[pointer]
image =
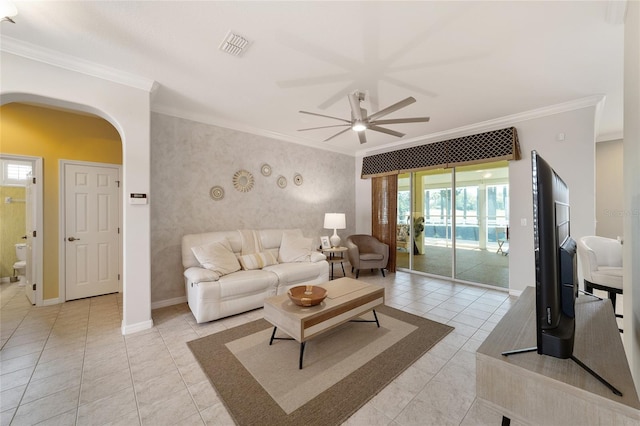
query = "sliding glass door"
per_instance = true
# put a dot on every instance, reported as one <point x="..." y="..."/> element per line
<point x="433" y="216"/>
<point x="454" y="223"/>
<point x="482" y="220"/>
<point x="404" y="240"/>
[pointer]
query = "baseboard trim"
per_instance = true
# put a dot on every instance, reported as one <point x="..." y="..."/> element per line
<point x="169" y="302"/>
<point x="515" y="293"/>
<point x="134" y="328"/>
<point x="49" y="302"/>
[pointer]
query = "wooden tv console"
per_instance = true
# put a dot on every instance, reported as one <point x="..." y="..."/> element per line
<point x="539" y="389"/>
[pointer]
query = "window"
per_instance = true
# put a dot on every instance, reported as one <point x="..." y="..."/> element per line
<point x="404" y="206"/>
<point x="15" y="173"/>
<point x="498" y="204"/>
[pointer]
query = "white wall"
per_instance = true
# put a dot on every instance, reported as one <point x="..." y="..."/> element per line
<point x="631" y="321"/>
<point x="574" y="160"/>
<point x="609" y="189"/>
<point x="125" y="107"/>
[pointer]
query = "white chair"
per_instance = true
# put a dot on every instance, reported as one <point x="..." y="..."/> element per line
<point x="601" y="260"/>
<point x="402" y="237"/>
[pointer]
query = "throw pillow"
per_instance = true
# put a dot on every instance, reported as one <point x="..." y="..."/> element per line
<point x="217" y="257"/>
<point x="257" y="260"/>
<point x="294" y="248"/>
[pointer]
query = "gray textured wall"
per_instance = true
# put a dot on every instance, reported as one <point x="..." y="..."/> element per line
<point x="188" y="158"/>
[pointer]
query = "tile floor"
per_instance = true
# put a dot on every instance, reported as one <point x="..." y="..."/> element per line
<point x="69" y="364"/>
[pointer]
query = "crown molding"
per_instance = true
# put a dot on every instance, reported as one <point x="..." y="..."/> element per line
<point x="72" y="63"/>
<point x="612" y="136"/>
<point x="616" y="11"/>
<point x="239" y="127"/>
<point x="484" y="126"/>
<point x="494" y="124"/>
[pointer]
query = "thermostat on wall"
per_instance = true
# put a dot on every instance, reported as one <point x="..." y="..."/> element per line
<point x="137" y="198"/>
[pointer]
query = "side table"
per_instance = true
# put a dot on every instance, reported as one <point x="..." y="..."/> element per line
<point x="336" y="255"/>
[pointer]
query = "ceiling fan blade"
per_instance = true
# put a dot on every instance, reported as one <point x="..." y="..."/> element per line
<point x="337" y="134"/>
<point x="362" y="137"/>
<point x="387" y="131"/>
<point x="323" y="127"/>
<point x="402" y="120"/>
<point x="355" y="106"/>
<point x="388" y="110"/>
<point x="325" y="116"/>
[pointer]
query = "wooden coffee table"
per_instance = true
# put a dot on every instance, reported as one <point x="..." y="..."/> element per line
<point x="346" y="299"/>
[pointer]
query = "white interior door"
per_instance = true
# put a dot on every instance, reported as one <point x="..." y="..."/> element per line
<point x="92" y="228"/>
<point x="31" y="270"/>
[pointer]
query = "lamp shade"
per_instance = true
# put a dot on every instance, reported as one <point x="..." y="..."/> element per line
<point x="335" y="221"/>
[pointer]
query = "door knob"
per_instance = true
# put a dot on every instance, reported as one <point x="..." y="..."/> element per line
<point x="73" y="239"/>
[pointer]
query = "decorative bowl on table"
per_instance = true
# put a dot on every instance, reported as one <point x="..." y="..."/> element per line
<point x="307" y="295"/>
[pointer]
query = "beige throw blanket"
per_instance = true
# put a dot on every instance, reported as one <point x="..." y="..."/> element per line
<point x="250" y="241"/>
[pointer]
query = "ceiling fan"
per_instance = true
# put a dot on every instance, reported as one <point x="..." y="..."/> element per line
<point x="360" y="121"/>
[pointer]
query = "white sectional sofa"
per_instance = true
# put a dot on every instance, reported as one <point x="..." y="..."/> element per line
<point x="267" y="262"/>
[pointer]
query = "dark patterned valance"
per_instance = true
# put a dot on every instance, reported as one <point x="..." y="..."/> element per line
<point x="481" y="148"/>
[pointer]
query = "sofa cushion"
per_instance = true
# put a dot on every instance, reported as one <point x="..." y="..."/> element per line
<point x="609" y="276"/>
<point x="243" y="283"/>
<point x="294" y="248"/>
<point x="371" y="256"/>
<point x="202" y="239"/>
<point x="257" y="260"/>
<point x="217" y="257"/>
<point x="300" y="272"/>
<point x="196" y="274"/>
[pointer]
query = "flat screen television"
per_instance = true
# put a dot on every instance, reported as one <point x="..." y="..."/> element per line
<point x="555" y="258"/>
<point x="556" y="273"/>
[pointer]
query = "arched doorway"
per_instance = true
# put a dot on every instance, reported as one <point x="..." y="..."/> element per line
<point x="126" y="105"/>
<point x="58" y="136"/>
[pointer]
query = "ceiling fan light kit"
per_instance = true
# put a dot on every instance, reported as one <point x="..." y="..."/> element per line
<point x="359" y="126"/>
<point x="361" y="121"/>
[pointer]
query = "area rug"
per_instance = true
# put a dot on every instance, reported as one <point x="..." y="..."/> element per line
<point x="343" y="369"/>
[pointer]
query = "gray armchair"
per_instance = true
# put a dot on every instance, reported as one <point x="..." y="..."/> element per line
<point x="366" y="252"/>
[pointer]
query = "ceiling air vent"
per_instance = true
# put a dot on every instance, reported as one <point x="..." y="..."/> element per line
<point x="234" y="44"/>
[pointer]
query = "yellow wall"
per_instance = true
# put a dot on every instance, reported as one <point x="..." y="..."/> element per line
<point x="55" y="135"/>
<point x="12" y="226"/>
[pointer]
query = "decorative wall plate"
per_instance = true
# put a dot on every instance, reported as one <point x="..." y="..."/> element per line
<point x="282" y="181"/>
<point x="297" y="179"/>
<point x="217" y="193"/>
<point x="265" y="170"/>
<point x="243" y="181"/>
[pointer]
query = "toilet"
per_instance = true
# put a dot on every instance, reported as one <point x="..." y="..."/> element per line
<point x="21" y="264"/>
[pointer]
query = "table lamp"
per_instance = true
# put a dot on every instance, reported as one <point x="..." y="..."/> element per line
<point x="335" y="221"/>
